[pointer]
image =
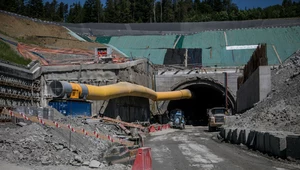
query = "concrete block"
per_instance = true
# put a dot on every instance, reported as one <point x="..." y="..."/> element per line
<point x="228" y="133"/>
<point x="251" y="139"/>
<point x="277" y="144"/>
<point x="244" y="136"/>
<point x="236" y="136"/>
<point x="260" y="141"/>
<point x="267" y="143"/>
<point x="222" y="132"/>
<point x="293" y="146"/>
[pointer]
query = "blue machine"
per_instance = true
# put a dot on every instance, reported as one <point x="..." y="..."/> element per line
<point x="72" y="108"/>
<point x="177" y="119"/>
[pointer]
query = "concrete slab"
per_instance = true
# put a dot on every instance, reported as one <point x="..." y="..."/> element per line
<point x="236" y="136"/>
<point x="267" y="142"/>
<point x="222" y="132"/>
<point x="293" y="146"/>
<point x="251" y="139"/>
<point x="244" y="136"/>
<point x="260" y="141"/>
<point x="228" y="133"/>
<point x="277" y="144"/>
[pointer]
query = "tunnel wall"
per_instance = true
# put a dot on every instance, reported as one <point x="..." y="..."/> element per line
<point x="136" y="72"/>
<point x="170" y="81"/>
<point x="255" y="89"/>
<point x="130" y="109"/>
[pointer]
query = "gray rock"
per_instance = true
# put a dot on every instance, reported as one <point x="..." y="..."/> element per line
<point x="86" y="163"/>
<point x="21" y="156"/>
<point x="58" y="146"/>
<point x="94" y="164"/>
<point x="78" y="158"/>
<point x="16" y="152"/>
<point x="45" y="160"/>
<point x="75" y="163"/>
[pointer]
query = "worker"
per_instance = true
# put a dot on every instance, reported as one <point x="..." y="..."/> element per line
<point x="101" y="114"/>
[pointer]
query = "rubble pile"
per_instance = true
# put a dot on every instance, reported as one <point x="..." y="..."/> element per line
<point x="280" y="110"/>
<point x="36" y="144"/>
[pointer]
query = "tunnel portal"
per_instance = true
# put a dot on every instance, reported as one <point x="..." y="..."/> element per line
<point x="204" y="97"/>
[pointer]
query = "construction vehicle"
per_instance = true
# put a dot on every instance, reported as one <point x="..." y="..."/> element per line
<point x="216" y="118"/>
<point x="177" y="119"/>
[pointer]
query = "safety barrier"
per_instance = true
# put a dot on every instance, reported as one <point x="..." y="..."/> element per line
<point x="154" y="128"/>
<point x="67" y="127"/>
<point x="143" y="160"/>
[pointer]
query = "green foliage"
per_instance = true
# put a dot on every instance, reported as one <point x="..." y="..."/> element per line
<point x="127" y="11"/>
<point x="8" y="54"/>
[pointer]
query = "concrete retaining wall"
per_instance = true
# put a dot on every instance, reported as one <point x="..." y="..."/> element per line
<point x="278" y="144"/>
<point x="255" y="89"/>
<point x="137" y="72"/>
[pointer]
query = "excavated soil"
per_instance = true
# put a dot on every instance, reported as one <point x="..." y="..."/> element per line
<point x="46" y="35"/>
<point x="280" y="111"/>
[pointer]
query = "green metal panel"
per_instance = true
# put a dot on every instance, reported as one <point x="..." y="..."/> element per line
<point x="143" y="42"/>
<point x="103" y="40"/>
<point x="156" y="56"/>
<point x="213" y="43"/>
<point x="285" y="40"/>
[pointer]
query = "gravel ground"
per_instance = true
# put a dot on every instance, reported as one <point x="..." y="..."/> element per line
<point x="280" y="111"/>
<point x="39" y="145"/>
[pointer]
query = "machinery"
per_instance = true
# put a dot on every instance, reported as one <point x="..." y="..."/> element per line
<point x="177" y="119"/>
<point x="216" y="117"/>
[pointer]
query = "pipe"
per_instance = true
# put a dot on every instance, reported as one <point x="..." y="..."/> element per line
<point x="121" y="89"/>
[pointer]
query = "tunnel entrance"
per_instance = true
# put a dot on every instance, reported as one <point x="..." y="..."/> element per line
<point x="204" y="97"/>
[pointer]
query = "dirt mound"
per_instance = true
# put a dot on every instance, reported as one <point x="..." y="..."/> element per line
<point x="280" y="111"/>
<point x="30" y="32"/>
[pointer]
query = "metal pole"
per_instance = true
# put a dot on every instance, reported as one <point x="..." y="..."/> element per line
<point x="161" y="11"/>
<point x="186" y="57"/>
<point x="70" y="139"/>
<point x="226" y="90"/>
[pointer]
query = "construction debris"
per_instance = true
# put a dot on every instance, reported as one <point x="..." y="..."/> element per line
<point x="40" y="144"/>
<point x="280" y="110"/>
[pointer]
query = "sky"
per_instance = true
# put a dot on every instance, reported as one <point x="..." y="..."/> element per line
<point x="242" y="4"/>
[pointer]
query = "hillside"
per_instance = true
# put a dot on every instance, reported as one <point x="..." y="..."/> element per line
<point x="47" y="35"/>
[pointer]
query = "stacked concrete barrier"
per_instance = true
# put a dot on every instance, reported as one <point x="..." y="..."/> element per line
<point x="274" y="143"/>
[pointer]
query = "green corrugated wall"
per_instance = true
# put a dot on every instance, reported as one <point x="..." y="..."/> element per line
<point x="213" y="44"/>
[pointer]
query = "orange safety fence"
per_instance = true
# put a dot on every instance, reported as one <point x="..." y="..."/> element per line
<point x="57" y="51"/>
<point x="67" y="127"/>
<point x="122" y="122"/>
<point x="27" y="54"/>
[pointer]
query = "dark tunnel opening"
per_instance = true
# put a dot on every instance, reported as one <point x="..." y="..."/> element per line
<point x="204" y="97"/>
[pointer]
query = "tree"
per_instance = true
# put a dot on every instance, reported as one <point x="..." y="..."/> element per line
<point x="60" y="11"/>
<point x="47" y="11"/>
<point x="75" y="13"/>
<point x="110" y="11"/>
<point x="126" y="14"/>
<point x="35" y="8"/>
<point x="168" y="13"/>
<point x="53" y="10"/>
<point x="92" y="11"/>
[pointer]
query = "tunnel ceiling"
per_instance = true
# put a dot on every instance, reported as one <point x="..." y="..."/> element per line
<point x="204" y="97"/>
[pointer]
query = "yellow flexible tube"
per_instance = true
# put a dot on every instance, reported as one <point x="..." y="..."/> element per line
<point x="118" y="90"/>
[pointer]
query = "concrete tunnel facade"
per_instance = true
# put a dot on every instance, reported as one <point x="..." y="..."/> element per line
<point x="206" y="94"/>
